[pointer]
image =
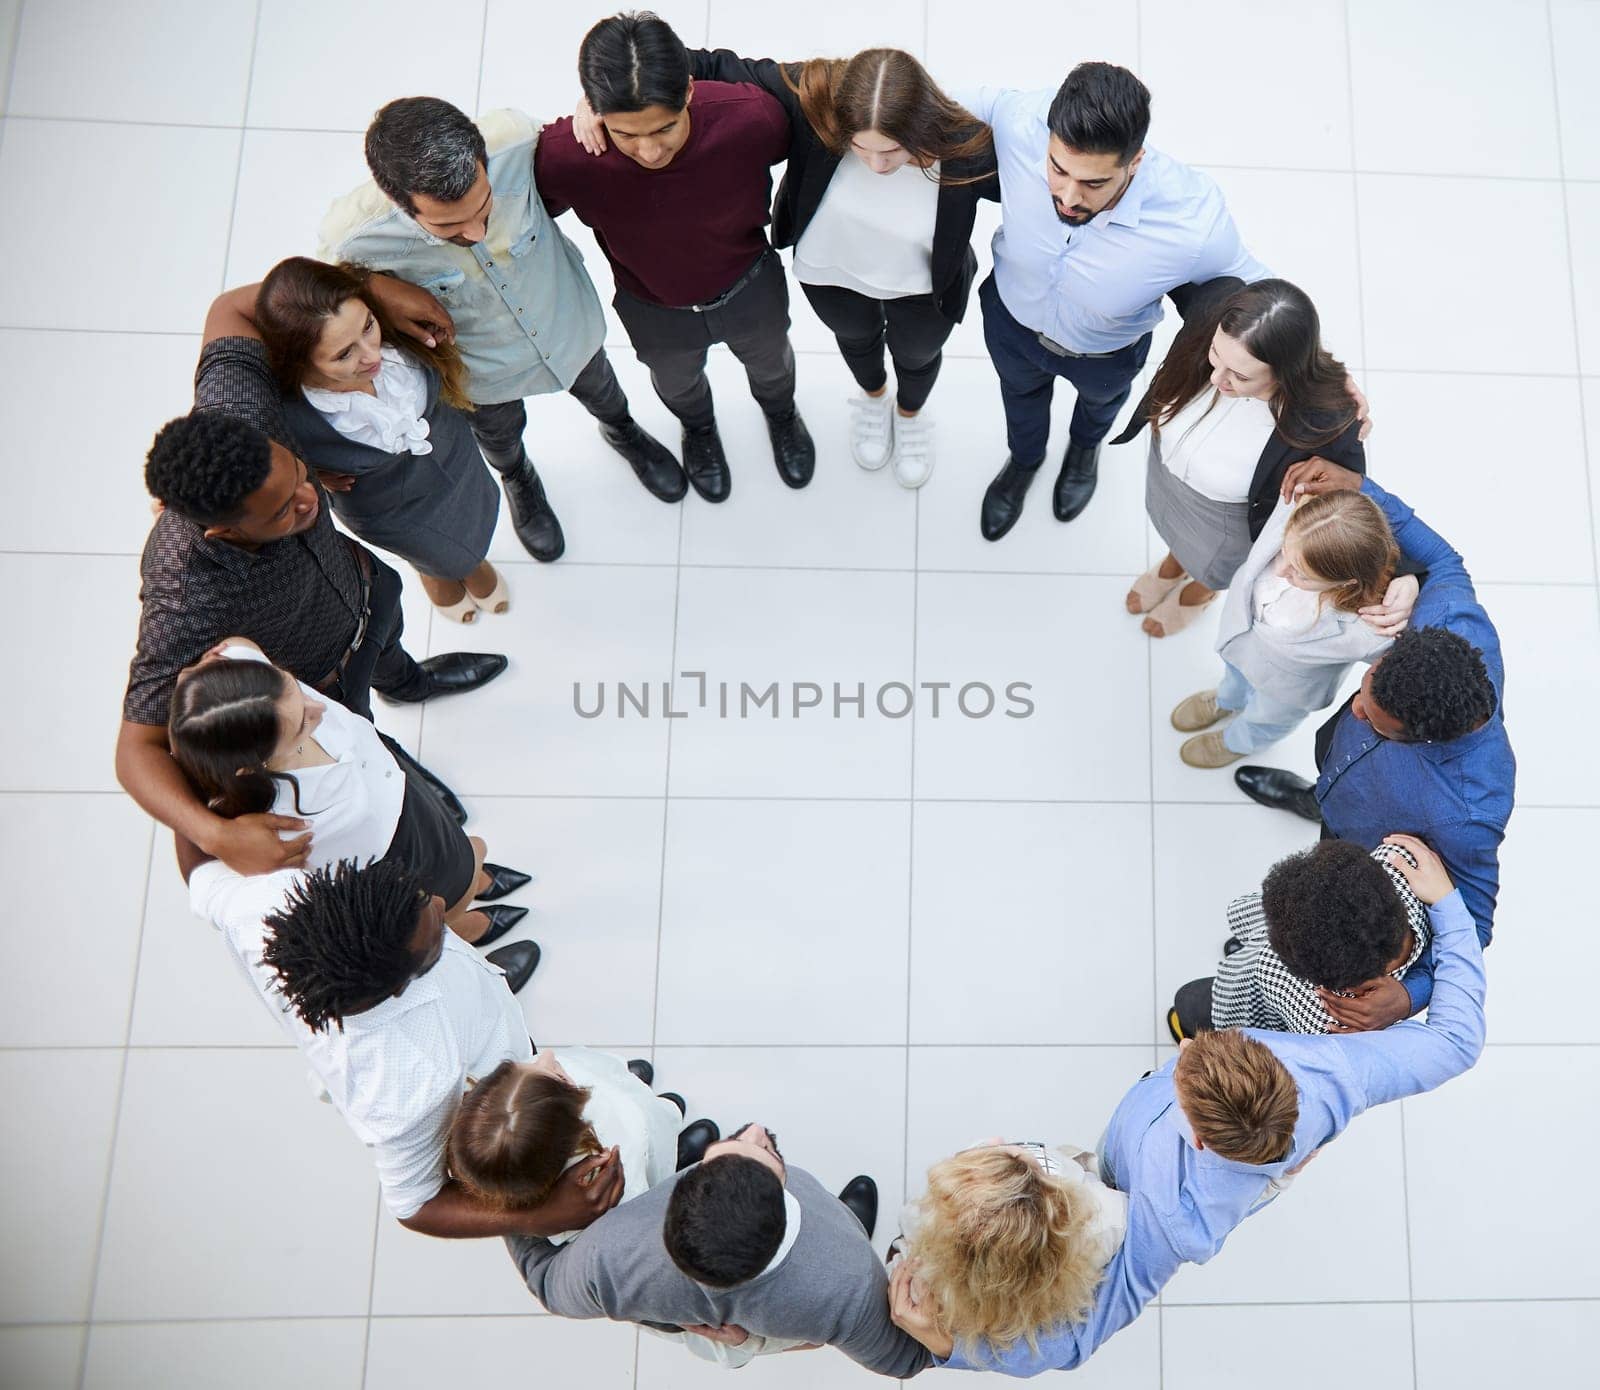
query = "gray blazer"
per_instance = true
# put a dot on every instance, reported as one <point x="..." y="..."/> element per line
<point x="1300" y="669"/>
<point x="831" y="1288"/>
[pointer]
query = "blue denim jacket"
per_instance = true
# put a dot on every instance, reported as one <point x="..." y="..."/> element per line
<point x="526" y="313"/>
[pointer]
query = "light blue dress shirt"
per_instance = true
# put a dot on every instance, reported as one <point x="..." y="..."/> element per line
<point x="1184" y="1201"/>
<point x="1098" y="287"/>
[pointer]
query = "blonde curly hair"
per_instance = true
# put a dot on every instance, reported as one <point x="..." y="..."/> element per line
<point x="1001" y="1247"/>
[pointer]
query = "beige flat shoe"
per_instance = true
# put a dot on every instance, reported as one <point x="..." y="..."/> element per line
<point x="1150" y="588"/>
<point x="497" y="600"/>
<point x="1208" y="750"/>
<point x="1169" y="617"/>
<point x="1199" y="711"/>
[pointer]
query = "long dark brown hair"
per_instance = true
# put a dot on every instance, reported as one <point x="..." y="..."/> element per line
<point x="299" y="295"/>
<point x="1276" y="323"/>
<point x="223" y="727"/>
<point x="889" y="91"/>
<point x="514" y="1133"/>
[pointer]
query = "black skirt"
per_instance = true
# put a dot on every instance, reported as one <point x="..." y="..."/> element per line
<point x="429" y="842"/>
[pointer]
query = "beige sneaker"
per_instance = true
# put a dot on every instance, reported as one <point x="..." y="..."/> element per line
<point x="1198" y="712"/>
<point x="1208" y="750"/>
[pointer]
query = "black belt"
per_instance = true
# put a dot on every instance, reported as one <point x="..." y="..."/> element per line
<point x="1051" y="345"/>
<point x="732" y="289"/>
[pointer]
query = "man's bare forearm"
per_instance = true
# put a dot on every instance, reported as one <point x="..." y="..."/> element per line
<point x="149" y="775"/>
<point x="452" y="1214"/>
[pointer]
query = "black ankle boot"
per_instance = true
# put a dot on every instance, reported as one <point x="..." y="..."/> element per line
<point x="531" y="514"/>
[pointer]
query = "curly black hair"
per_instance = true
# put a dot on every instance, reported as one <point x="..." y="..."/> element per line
<point x="1434" y="683"/>
<point x="1333" y="915"/>
<point x="342" y="942"/>
<point x="204" y="465"/>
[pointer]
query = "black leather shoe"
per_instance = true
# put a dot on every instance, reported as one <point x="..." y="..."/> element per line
<point x="861" y="1196"/>
<point x="1283" y="791"/>
<point x="1002" y="503"/>
<point x="502" y="917"/>
<point x="694" y="1140"/>
<point x="650" y="459"/>
<point x="531" y="514"/>
<point x="1232" y="946"/>
<point x="1080" y="471"/>
<point x="643" y="1070"/>
<point x="792" y="449"/>
<point x="705" y="464"/>
<point x="676" y="1099"/>
<point x="452" y="673"/>
<point x="519" y="960"/>
<point x="502" y="882"/>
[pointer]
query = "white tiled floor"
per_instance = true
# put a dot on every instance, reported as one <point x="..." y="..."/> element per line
<point x="886" y="938"/>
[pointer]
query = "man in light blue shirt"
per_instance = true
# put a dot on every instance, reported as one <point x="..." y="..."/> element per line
<point x="1276" y="1098"/>
<point x="1095" y="230"/>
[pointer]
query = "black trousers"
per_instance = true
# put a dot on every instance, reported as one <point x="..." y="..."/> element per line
<point x="912" y="328"/>
<point x="498" y="428"/>
<point x="754" y="324"/>
<point x="380" y="662"/>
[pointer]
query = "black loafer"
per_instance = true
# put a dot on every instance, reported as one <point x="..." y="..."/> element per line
<point x="705" y="464"/>
<point x="676" y="1099"/>
<point x="694" y="1140"/>
<point x="650" y="459"/>
<point x="1080" y="471"/>
<point x="532" y="516"/>
<point x="1002" y="503"/>
<point x="502" y="917"/>
<point x="1283" y="791"/>
<point x="519" y="960"/>
<point x="861" y="1196"/>
<point x="643" y="1070"/>
<point x="502" y="882"/>
<point x="792" y="448"/>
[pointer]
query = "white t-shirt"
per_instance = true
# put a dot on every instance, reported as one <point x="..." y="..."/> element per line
<point x="1215" y="448"/>
<point x="872" y="233"/>
<point x="392" y="419"/>
<point x="1277" y="604"/>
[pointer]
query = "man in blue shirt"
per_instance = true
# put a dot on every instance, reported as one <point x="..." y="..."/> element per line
<point x="1422" y="744"/>
<point x="1095" y="230"/>
<point x="1217" y="1132"/>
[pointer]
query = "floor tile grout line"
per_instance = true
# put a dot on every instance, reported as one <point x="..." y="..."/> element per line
<point x="10" y="74"/>
<point x="483" y="49"/>
<point x="911" y="836"/>
<point x="238" y="164"/>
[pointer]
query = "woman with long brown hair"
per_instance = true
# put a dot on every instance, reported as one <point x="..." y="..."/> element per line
<point x="380" y="419"/>
<point x="884" y="175"/>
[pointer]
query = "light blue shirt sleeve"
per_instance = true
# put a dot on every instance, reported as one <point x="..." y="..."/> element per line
<point x="981" y="101"/>
<point x="1224" y="253"/>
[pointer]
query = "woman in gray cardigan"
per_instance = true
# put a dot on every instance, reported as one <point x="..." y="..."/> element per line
<point x="383" y="426"/>
<point x="1292" y="624"/>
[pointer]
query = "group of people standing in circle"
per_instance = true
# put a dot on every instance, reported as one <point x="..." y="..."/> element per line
<point x="385" y="384"/>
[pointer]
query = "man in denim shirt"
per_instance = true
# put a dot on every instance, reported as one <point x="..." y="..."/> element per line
<point x="453" y="208"/>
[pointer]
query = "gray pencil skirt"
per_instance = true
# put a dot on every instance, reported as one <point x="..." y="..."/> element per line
<point x="1210" y="539"/>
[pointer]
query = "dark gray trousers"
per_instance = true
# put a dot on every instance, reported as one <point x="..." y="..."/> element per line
<point x="498" y="428"/>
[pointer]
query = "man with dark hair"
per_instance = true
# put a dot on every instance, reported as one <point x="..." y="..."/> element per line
<point x="1095" y="229"/>
<point x="1422" y="744"/>
<point x="698" y="269"/>
<point x="453" y="207"/>
<point x="245" y="545"/>
<point x="1325" y="921"/>
<point x="741" y="1255"/>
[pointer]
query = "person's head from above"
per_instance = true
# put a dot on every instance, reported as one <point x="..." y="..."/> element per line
<point x="430" y="160"/>
<point x="230" y="479"/>
<point x="1334" y="916"/>
<point x="1239" y="1099"/>
<point x="725" y="1219"/>
<point x="517" y="1131"/>
<point x="634" y="71"/>
<point x="233" y="727"/>
<point x="1430" y="687"/>
<point x="349" y="937"/>
<point x="1097" y="122"/>
<point x="1002" y="1245"/>
<point x="882" y="108"/>
<point x="1339" y="545"/>
<point x="323" y="329"/>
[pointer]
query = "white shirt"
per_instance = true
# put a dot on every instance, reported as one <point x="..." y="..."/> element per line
<point x="1214" y="443"/>
<point x="1276" y="603"/>
<point x="872" y="233"/>
<point x="392" y="419"/>
<point x="397" y="1071"/>
<point x="353" y="804"/>
<point x="1098" y="287"/>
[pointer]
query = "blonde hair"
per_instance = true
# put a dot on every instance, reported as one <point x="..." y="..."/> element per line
<point x="1001" y="1246"/>
<point x="1238" y="1097"/>
<point x="1345" y="541"/>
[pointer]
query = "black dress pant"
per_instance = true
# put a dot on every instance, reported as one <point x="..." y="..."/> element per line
<point x="380" y="662"/>
<point x="913" y="329"/>
<point x="498" y="428"/>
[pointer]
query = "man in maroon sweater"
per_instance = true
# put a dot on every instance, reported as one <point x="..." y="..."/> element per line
<point x="678" y="202"/>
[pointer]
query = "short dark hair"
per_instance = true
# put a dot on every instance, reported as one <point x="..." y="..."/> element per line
<point x="1333" y="915"/>
<point x="424" y="145"/>
<point x="725" y="1220"/>
<point x="1435" y="683"/>
<point x="342" y="941"/>
<point x="205" y="465"/>
<point x="1101" y="109"/>
<point x="632" y="61"/>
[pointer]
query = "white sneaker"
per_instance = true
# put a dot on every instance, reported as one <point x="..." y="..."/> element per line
<point x="913" y="449"/>
<point x="872" y="429"/>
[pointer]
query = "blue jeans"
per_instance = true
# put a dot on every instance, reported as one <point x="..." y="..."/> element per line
<point x="1028" y="372"/>
<point x="1262" y="720"/>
